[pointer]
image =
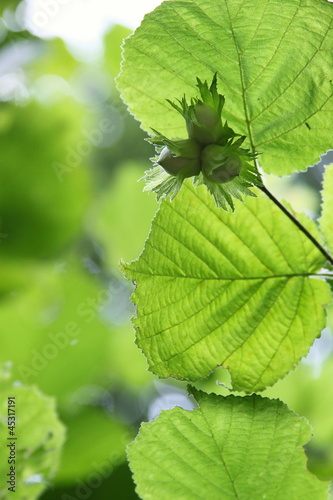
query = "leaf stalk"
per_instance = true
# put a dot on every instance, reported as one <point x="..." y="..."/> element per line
<point x="297" y="223"/>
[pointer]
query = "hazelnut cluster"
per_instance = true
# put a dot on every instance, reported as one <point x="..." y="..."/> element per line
<point x="212" y="153"/>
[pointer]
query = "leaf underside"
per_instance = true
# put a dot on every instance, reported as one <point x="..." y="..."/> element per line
<point x="229" y="448"/>
<point x="274" y="62"/>
<point x="214" y="289"/>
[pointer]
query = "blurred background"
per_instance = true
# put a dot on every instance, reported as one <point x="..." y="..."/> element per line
<point x="70" y="209"/>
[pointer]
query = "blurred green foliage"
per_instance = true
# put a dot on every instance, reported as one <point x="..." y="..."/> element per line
<point x="47" y="212"/>
<point x="70" y="209"/>
<point x="5" y="4"/>
<point x="112" y="224"/>
<point x="68" y="201"/>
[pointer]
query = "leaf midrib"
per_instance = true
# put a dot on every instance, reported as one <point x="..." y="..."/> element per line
<point x="221" y="278"/>
<point x="247" y="118"/>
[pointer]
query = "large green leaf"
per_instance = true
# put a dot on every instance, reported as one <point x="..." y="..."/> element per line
<point x="36" y="440"/>
<point x="274" y="62"/>
<point x="230" y="447"/>
<point x="309" y="392"/>
<point x="326" y="220"/>
<point x="227" y="289"/>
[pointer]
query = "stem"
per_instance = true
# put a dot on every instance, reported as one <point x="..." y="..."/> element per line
<point x="297" y="223"/>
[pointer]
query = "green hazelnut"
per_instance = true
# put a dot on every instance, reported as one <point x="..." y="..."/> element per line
<point x="186" y="148"/>
<point x="219" y="165"/>
<point x="204" y="123"/>
<point x="173" y="164"/>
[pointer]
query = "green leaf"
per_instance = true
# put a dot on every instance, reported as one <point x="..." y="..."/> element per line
<point x="227" y="289"/>
<point x="230" y="447"/>
<point x="39" y="439"/>
<point x="274" y="63"/>
<point x="326" y="220"/>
